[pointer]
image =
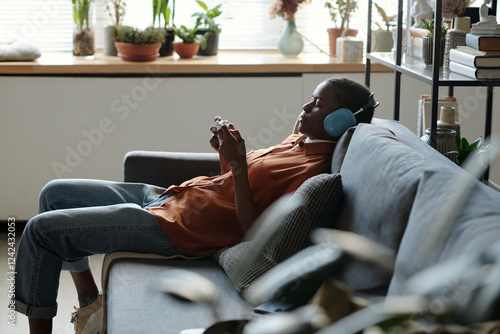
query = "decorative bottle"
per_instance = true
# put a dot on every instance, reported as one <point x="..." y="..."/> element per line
<point x="455" y="37"/>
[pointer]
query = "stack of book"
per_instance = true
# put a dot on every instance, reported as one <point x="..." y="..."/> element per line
<point x="479" y="58"/>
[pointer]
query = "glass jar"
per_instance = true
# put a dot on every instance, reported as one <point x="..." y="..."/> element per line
<point x="83" y="28"/>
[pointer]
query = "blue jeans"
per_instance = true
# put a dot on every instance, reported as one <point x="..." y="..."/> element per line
<point x="79" y="218"/>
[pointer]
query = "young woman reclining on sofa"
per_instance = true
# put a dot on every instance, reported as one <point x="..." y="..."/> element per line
<point x="79" y="218"/>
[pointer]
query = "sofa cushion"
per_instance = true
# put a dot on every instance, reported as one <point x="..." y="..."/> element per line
<point x="135" y="303"/>
<point x="476" y="228"/>
<point x="319" y="197"/>
<point x="380" y="175"/>
<point x="341" y="149"/>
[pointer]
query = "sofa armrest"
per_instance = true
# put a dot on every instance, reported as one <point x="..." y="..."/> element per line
<point x="168" y="168"/>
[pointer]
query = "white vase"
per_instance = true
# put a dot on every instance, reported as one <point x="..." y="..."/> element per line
<point x="455" y="37"/>
<point x="290" y="43"/>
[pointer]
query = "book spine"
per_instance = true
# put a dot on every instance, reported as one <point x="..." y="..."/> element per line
<point x="472" y="41"/>
<point x="461" y="69"/>
<point x="483" y="42"/>
<point x="462" y="58"/>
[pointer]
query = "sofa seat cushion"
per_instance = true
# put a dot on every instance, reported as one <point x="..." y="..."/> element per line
<point x="319" y="197"/>
<point x="136" y="305"/>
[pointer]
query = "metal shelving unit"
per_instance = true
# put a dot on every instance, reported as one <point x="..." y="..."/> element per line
<point x="432" y="75"/>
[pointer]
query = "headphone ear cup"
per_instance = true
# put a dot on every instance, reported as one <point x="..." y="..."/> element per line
<point x="338" y="122"/>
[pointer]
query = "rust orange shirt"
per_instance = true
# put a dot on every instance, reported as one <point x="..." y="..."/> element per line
<point x="201" y="217"/>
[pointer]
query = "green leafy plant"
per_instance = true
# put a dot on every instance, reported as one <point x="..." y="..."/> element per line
<point x="342" y="8"/>
<point x="385" y="18"/>
<point x="127" y="34"/>
<point x="81" y="13"/>
<point x="162" y="10"/>
<point x="464" y="148"/>
<point x="190" y="36"/>
<point x="207" y="18"/>
<point x="116" y="11"/>
<point x="429" y="26"/>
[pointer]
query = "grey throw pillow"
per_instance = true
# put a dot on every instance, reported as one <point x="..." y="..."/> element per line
<point x="320" y="198"/>
<point x="18" y="50"/>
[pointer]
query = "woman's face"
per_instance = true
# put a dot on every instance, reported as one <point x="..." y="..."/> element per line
<point x="314" y="112"/>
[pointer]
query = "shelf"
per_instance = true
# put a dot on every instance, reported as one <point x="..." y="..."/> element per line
<point x="226" y="62"/>
<point x="417" y="69"/>
<point x="431" y="75"/>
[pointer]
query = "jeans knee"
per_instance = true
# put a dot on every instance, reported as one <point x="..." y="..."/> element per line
<point x="49" y="193"/>
<point x="34" y="228"/>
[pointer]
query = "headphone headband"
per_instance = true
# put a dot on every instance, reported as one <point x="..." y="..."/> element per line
<point x="371" y="103"/>
<point x="342" y="119"/>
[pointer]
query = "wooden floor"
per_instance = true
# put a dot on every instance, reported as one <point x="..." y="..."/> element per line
<point x="66" y="299"/>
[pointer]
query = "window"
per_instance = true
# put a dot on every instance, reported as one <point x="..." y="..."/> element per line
<point x="245" y="23"/>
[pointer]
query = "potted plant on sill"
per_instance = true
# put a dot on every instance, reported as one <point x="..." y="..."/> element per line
<point x="191" y="42"/>
<point x="138" y="45"/>
<point x="162" y="12"/>
<point x="344" y="9"/>
<point x="116" y="12"/>
<point x="83" y="32"/>
<point x="206" y="19"/>
<point x="428" y="42"/>
<point x="382" y="37"/>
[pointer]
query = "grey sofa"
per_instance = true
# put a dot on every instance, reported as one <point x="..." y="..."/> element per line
<point x="394" y="185"/>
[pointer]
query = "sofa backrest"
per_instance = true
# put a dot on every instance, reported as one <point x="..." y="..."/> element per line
<point x="381" y="166"/>
<point x="394" y="187"/>
<point x="475" y="229"/>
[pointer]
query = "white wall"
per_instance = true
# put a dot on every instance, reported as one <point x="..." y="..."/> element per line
<point x="82" y="127"/>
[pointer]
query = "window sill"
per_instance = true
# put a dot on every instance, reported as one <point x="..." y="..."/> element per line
<point x="226" y="62"/>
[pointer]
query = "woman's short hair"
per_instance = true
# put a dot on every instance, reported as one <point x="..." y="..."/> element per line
<point x="352" y="95"/>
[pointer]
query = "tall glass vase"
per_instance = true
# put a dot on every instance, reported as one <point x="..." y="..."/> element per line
<point x="83" y="28"/>
<point x="290" y="43"/>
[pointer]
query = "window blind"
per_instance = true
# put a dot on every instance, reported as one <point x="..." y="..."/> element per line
<point x="246" y="25"/>
<point x="48" y="24"/>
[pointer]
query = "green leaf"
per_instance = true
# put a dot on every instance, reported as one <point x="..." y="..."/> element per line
<point x="166" y="15"/>
<point x="202" y="4"/>
<point x="155" y="10"/>
<point x="388" y="324"/>
<point x="477" y="142"/>
<point x="464" y="144"/>
<point x="216" y="11"/>
<point x="457" y="142"/>
<point x="197" y="14"/>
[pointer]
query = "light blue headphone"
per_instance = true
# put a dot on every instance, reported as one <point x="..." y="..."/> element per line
<point x="342" y="119"/>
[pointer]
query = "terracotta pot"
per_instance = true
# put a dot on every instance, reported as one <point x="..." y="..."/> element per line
<point x="334" y="33"/>
<point x="186" y="50"/>
<point x="138" y="52"/>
